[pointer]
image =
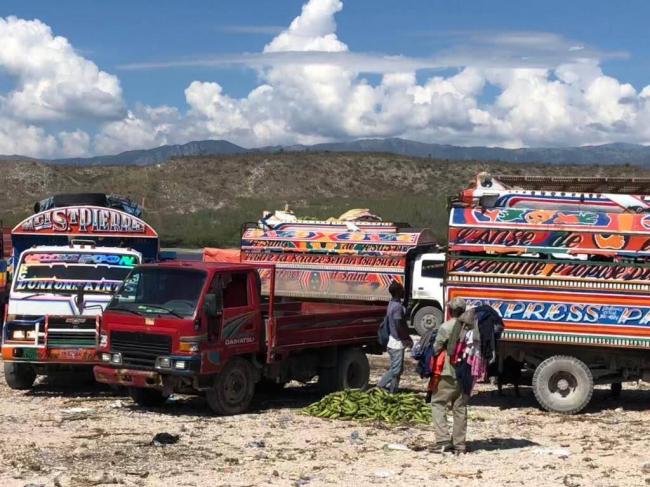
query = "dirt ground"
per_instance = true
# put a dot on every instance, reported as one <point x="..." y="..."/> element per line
<point x="57" y="435"/>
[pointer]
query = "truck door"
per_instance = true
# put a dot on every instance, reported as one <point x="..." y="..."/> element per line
<point x="428" y="278"/>
<point x="241" y="315"/>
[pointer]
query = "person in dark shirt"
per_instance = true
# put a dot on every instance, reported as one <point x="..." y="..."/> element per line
<point x="398" y="340"/>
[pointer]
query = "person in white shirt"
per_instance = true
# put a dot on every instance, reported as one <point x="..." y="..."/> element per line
<point x="398" y="340"/>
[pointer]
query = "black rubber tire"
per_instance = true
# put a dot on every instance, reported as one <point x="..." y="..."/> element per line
<point x="147" y="397"/>
<point x="616" y="388"/>
<point x="563" y="384"/>
<point x="233" y="389"/>
<point x="19" y="376"/>
<point x="427" y="318"/>
<point x="352" y="371"/>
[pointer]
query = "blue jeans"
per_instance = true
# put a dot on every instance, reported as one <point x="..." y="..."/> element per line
<point x="391" y="378"/>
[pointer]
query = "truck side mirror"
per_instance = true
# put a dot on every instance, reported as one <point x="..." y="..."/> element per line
<point x="212" y="305"/>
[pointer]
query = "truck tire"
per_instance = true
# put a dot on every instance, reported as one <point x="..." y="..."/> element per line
<point x="352" y="371"/>
<point x="426" y="318"/>
<point x="19" y="376"/>
<point x="233" y="388"/>
<point x="563" y="384"/>
<point x="147" y="397"/>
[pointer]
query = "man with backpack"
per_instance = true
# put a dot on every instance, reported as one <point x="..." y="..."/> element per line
<point x="449" y="390"/>
<point x="398" y="338"/>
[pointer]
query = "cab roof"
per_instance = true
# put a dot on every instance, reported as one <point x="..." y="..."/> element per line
<point x="207" y="266"/>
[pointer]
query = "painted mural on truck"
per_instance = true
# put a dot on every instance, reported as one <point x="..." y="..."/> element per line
<point x="546" y="316"/>
<point x="550" y="231"/>
<point x="342" y="285"/>
<point x="332" y="261"/>
<point x="520" y="198"/>
<point x="330" y="242"/>
<point x="569" y="274"/>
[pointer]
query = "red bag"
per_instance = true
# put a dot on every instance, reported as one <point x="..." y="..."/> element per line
<point x="437" y="364"/>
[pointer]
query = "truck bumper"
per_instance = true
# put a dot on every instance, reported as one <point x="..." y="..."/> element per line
<point x="128" y="377"/>
<point x="58" y="356"/>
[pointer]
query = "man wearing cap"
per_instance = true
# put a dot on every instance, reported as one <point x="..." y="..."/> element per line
<point x="449" y="390"/>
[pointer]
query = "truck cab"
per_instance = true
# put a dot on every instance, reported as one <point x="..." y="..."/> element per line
<point x="56" y="298"/>
<point x="425" y="291"/>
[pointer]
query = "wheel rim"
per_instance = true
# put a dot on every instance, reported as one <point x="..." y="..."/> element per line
<point x="428" y="321"/>
<point x="562" y="385"/>
<point x="235" y="387"/>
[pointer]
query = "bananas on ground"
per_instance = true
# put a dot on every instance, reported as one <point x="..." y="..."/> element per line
<point x="375" y="404"/>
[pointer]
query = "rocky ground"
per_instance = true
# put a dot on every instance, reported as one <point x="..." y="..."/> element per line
<point x="61" y="436"/>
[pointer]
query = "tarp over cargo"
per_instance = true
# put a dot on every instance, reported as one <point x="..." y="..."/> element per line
<point x="220" y="255"/>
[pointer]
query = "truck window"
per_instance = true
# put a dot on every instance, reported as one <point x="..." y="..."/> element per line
<point x="433" y="269"/>
<point x="235" y="294"/>
<point x="160" y="290"/>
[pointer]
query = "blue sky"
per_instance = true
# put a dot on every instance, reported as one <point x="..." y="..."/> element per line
<point x="123" y="38"/>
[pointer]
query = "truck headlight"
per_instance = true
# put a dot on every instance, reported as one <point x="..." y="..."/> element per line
<point x="106" y="357"/>
<point x="163" y="363"/>
<point x="31" y="334"/>
<point x="116" y="358"/>
<point x="103" y="340"/>
<point x="18" y="335"/>
<point x="180" y="365"/>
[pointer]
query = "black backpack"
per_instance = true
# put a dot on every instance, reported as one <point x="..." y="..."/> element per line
<point x="423" y="353"/>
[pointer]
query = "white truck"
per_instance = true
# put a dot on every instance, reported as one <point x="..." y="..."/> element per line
<point x="424" y="279"/>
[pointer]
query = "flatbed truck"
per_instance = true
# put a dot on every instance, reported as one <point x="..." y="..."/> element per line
<point x="205" y="328"/>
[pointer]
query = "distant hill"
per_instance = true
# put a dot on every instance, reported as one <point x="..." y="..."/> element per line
<point x="595" y="154"/>
<point x="145" y="157"/>
<point x="203" y="200"/>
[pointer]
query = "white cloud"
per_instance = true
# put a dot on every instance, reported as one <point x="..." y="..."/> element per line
<point x="313" y="88"/>
<point x="552" y="91"/>
<point x="53" y="82"/>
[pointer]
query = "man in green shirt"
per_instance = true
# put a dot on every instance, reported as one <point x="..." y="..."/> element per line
<point x="449" y="390"/>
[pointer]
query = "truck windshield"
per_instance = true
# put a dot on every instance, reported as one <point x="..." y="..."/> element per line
<point x="159" y="290"/>
<point x="68" y="272"/>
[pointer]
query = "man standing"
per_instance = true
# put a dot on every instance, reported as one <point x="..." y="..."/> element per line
<point x="398" y="340"/>
<point x="449" y="389"/>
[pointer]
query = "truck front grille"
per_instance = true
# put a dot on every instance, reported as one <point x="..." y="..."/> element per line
<point x="78" y="332"/>
<point x="140" y="349"/>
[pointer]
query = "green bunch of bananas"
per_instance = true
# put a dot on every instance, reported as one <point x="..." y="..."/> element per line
<point x="375" y="404"/>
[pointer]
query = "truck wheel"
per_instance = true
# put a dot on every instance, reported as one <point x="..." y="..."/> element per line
<point x="427" y="318"/>
<point x="19" y="376"/>
<point x="352" y="371"/>
<point x="233" y="389"/>
<point x="147" y="398"/>
<point x="563" y="384"/>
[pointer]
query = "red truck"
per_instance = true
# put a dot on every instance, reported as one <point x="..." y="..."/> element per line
<point x="204" y="328"/>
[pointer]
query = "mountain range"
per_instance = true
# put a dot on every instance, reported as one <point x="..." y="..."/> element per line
<point x="616" y="153"/>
